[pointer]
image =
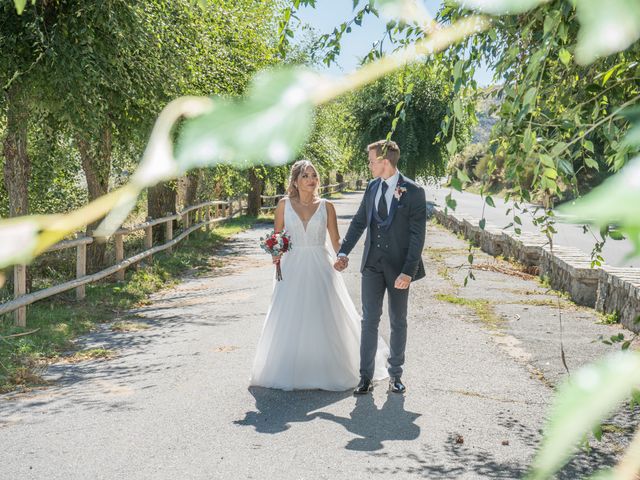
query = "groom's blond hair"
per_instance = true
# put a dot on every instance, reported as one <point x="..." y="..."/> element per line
<point x="386" y="149"/>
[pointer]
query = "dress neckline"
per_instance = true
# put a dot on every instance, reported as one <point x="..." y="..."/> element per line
<point x="305" y="225"/>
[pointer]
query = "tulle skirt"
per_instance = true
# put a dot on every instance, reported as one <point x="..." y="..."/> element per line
<point x="311" y="334"/>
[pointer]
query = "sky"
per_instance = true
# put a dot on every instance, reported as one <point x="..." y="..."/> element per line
<point x="330" y="13"/>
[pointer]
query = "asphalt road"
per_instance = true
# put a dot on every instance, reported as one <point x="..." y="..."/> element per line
<point x="615" y="252"/>
<point x="174" y="402"/>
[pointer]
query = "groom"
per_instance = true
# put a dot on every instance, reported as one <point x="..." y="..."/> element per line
<point x="394" y="214"/>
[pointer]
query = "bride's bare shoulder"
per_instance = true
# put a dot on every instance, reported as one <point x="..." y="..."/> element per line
<point x="329" y="206"/>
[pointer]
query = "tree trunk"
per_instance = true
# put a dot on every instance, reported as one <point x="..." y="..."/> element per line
<point x="339" y="177"/>
<point x="17" y="167"/>
<point x="161" y="201"/>
<point x="256" y="185"/>
<point x="191" y="187"/>
<point x="95" y="155"/>
<point x="17" y="164"/>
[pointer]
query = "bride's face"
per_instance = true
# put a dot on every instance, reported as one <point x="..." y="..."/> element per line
<point x="308" y="180"/>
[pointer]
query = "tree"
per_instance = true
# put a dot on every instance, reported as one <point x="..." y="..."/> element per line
<point x="561" y="124"/>
<point x="374" y="107"/>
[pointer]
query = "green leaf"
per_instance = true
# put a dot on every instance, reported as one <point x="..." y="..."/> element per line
<point x="500" y="7"/>
<point x="457" y="69"/>
<point x="489" y="201"/>
<point x="588" y="144"/>
<point x="452" y="146"/>
<point x="547" y="161"/>
<point x="565" y="56"/>
<point x="591" y="394"/>
<point x="530" y="96"/>
<point x="591" y="163"/>
<point x="606" y="27"/>
<point x="457" y="109"/>
<point x="451" y="203"/>
<point x="482" y="223"/>
<point x="20" y="4"/>
<point x="558" y="148"/>
<point x="270" y="125"/>
<point x="609" y="73"/>
<point x="527" y="139"/>
<point x="456" y="183"/>
<point x="597" y="432"/>
<point x="462" y="175"/>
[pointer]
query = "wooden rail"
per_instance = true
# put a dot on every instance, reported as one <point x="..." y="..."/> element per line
<point x="324" y="190"/>
<point x="192" y="218"/>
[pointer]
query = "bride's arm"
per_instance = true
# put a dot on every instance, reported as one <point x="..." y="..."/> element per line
<point x="278" y="222"/>
<point x="332" y="226"/>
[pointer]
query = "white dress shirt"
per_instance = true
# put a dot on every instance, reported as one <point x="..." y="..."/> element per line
<point x="392" y="182"/>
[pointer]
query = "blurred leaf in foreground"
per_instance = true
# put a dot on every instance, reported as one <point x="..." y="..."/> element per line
<point x="606" y="27"/>
<point x="615" y="202"/>
<point x="581" y="403"/>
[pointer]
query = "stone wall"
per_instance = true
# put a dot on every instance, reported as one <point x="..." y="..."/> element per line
<point x="610" y="290"/>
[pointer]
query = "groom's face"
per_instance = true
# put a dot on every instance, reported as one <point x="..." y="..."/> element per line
<point x="376" y="165"/>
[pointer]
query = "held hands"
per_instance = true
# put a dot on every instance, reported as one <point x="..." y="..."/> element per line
<point x="341" y="263"/>
<point x="402" y="282"/>
<point x="276" y="258"/>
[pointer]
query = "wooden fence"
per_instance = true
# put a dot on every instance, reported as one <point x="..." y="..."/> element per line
<point x="191" y="219"/>
<point x="272" y="200"/>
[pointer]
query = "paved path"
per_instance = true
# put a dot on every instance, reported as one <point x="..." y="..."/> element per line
<point x="614" y="252"/>
<point x="174" y="402"/>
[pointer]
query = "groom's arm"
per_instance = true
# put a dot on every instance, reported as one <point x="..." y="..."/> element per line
<point x="417" y="229"/>
<point x="356" y="227"/>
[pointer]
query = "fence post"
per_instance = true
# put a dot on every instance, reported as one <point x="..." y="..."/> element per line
<point x="229" y="208"/>
<point x="207" y="217"/>
<point x="19" y="289"/>
<point x="168" y="233"/>
<point x="148" y="239"/>
<point x="81" y="268"/>
<point x="185" y="222"/>
<point x="119" y="243"/>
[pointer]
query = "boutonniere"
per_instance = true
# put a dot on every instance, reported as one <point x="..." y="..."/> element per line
<point x="399" y="192"/>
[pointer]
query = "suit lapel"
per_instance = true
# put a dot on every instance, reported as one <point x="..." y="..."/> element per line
<point x="395" y="201"/>
<point x="372" y="200"/>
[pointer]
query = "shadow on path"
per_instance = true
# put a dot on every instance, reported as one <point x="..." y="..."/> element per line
<point x="276" y="410"/>
<point x="374" y="426"/>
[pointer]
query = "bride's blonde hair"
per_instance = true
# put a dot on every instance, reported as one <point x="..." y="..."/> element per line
<point x="297" y="170"/>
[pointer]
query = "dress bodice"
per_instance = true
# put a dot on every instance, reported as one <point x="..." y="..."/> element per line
<point x="315" y="233"/>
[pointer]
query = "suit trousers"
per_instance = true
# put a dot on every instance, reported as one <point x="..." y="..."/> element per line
<point x="379" y="277"/>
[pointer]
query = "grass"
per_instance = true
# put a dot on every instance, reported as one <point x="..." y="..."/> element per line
<point x="482" y="308"/>
<point x="610" y="318"/>
<point x="60" y="320"/>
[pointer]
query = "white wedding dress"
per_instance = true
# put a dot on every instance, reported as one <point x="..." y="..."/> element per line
<point x="311" y="335"/>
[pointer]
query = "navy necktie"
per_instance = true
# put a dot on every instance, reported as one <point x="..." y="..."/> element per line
<point x="383" y="211"/>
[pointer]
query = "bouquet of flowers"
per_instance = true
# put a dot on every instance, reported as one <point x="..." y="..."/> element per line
<point x="276" y="244"/>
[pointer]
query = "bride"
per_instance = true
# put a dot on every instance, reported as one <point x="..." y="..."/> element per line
<point x="311" y="335"/>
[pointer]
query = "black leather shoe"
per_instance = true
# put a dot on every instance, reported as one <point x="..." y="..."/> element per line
<point x="396" y="385"/>
<point x="365" y="386"/>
